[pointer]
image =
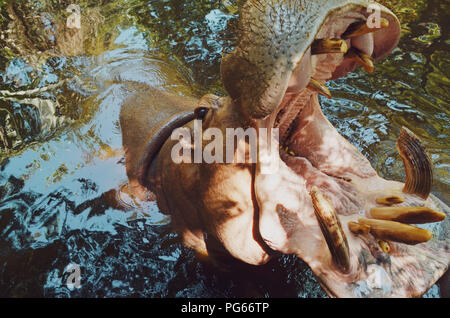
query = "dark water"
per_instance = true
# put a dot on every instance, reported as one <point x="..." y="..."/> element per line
<point x="62" y="171"/>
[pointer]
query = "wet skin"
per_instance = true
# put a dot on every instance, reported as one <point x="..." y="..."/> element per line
<point x="250" y="215"/>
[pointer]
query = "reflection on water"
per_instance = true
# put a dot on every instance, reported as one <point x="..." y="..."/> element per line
<point x="63" y="197"/>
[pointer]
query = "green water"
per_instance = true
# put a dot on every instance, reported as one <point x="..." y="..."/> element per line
<point x="62" y="166"/>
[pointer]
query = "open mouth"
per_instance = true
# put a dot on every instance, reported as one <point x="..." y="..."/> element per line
<point x="341" y="44"/>
<point x="364" y="221"/>
<point x="309" y="144"/>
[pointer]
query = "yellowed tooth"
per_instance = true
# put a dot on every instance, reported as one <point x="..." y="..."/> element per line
<point x="358" y="229"/>
<point x="361" y="58"/>
<point x="389" y="200"/>
<point x="385" y="246"/>
<point x="409" y="215"/>
<point x="362" y="27"/>
<point x="324" y="46"/>
<point x="397" y="232"/>
<point x="331" y="228"/>
<point x="292" y="153"/>
<point x="318" y="87"/>
<point x="417" y="162"/>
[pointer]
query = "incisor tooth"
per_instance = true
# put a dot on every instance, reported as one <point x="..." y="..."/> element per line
<point x="358" y="229"/>
<point x="361" y="58"/>
<point x="362" y="27"/>
<point x="409" y="215"/>
<point x="324" y="46"/>
<point x="389" y="200"/>
<point x="318" y="87"/>
<point x="397" y="232"/>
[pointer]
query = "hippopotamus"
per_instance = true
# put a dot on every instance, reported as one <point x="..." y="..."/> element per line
<point x="361" y="235"/>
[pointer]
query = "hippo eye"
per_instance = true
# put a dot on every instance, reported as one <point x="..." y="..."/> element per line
<point x="385" y="246"/>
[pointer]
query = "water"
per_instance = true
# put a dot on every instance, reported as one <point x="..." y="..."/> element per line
<point x="62" y="176"/>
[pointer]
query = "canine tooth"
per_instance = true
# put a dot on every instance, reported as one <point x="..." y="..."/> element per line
<point x="389" y="200"/>
<point x="318" y="87"/>
<point x="361" y="58"/>
<point x="397" y="232"/>
<point x="324" y="46"/>
<point x="418" y="165"/>
<point x="358" y="229"/>
<point x="331" y="229"/>
<point x="409" y="215"/>
<point x="361" y="28"/>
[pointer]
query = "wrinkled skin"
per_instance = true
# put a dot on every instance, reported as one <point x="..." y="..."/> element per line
<point x="235" y="209"/>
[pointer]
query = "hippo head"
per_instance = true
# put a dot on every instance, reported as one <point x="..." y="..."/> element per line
<point x="326" y="203"/>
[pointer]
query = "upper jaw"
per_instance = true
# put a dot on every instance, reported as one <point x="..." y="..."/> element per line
<point x="315" y="69"/>
<point x="274" y="40"/>
<point x="333" y="50"/>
